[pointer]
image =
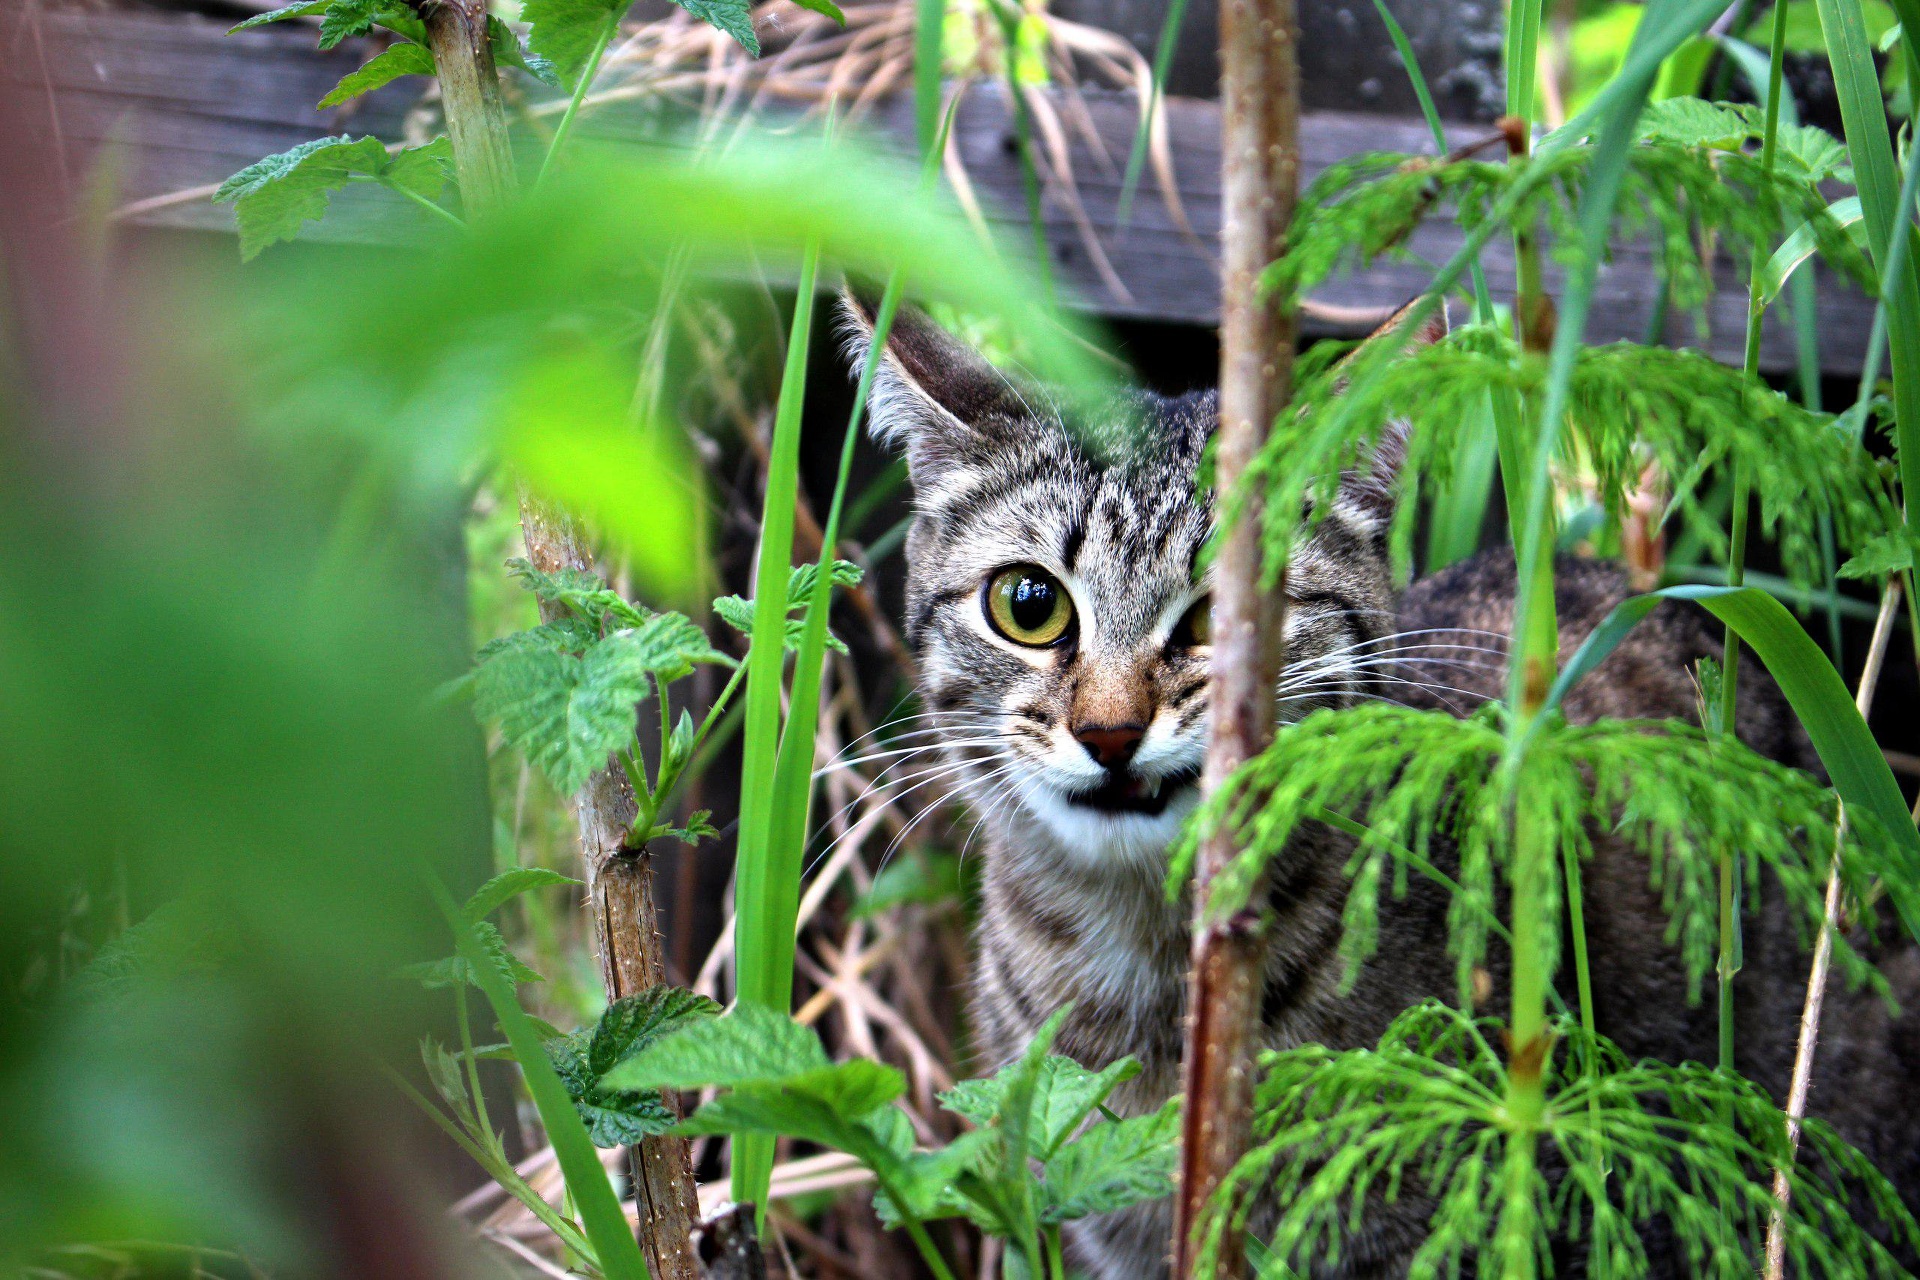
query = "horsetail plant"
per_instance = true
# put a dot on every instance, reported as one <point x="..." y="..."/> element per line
<point x="1558" y="1136"/>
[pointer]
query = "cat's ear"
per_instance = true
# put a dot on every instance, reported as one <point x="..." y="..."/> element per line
<point x="930" y="391"/>
<point x="1371" y="489"/>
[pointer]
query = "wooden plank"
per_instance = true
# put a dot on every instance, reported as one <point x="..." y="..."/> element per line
<point x="178" y="104"/>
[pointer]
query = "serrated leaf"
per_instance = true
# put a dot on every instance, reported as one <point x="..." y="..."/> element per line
<point x="506" y="886"/>
<point x="424" y="170"/>
<point x="584" y="593"/>
<point x="567" y="714"/>
<point x="618" y="1117"/>
<point x="749" y="1043"/>
<point x="927" y="1180"/>
<point x="1692" y="122"/>
<point x="1063" y="1094"/>
<point x="272" y="196"/>
<point x="699" y="827"/>
<point x="344" y="19"/>
<point x="1811" y="151"/>
<point x="737" y="611"/>
<point x="824" y="1105"/>
<point x="1117" y="1163"/>
<point x="304" y="9"/>
<point x="1880" y="557"/>
<point x="405" y="59"/>
<point x="735" y="17"/>
<point x="564" y="32"/>
<point x="508" y="51"/>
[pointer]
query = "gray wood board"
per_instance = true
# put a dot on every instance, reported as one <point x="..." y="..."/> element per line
<point x="175" y="103"/>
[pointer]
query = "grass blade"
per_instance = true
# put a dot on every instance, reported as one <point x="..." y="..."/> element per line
<point x="765" y="957"/>
<point x="929" y="22"/>
<point x="1870" y="146"/>
<point x="1162" y="63"/>
<point x="606" y="1224"/>
<point x="1853" y="760"/>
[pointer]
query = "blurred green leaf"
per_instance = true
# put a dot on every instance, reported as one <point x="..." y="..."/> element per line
<point x="1888" y="554"/>
<point x="1690" y="122"/>
<point x="505" y="887"/>
<point x="508" y="51"/>
<point x="403" y="59"/>
<point x="917" y="876"/>
<point x="454" y="970"/>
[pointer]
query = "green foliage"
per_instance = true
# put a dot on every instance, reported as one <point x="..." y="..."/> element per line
<point x="396" y="60"/>
<point x="1696" y="417"/>
<point x="1423" y="1116"/>
<point x="564" y="693"/>
<point x="455" y="970"/>
<point x="915" y="876"/>
<point x="1423" y="781"/>
<point x="569" y="34"/>
<point x="1038" y="1113"/>
<point x="737" y="611"/>
<point x="342" y="19"/>
<point x="622" y="1117"/>
<point x="1881" y="557"/>
<point x="272" y="197"/>
<point x="1360" y="208"/>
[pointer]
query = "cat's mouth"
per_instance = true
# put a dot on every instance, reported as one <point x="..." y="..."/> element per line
<point x="1130" y="793"/>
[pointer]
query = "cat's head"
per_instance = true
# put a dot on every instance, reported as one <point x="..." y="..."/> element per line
<point x="1055" y="600"/>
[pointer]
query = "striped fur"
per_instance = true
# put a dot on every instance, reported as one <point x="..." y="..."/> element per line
<point x="1073" y="905"/>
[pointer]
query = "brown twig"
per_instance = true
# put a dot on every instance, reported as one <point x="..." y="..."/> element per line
<point x="1260" y="149"/>
<point x="1822" y="960"/>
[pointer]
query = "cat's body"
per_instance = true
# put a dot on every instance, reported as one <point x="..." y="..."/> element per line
<point x="1082" y="755"/>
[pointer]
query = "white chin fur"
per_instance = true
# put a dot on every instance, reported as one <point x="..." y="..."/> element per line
<point x="1095" y="839"/>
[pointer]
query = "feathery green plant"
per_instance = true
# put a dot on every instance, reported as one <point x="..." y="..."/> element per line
<point x="1557" y="1137"/>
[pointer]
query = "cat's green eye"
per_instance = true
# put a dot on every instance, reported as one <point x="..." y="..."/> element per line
<point x="1027" y="605"/>
<point x="1195" y="627"/>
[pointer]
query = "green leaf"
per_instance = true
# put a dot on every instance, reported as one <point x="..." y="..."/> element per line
<point x="564" y="32"/>
<point x="1118" y="1163"/>
<point x="1064" y="1094"/>
<point x="699" y="827"/>
<point x="303" y="9"/>
<point x="343" y="19"/>
<point x="826" y="8"/>
<point x="749" y="1043"/>
<point x="454" y="970"/>
<point x="506" y="886"/>
<point x="1803" y="242"/>
<point x="1888" y="554"/>
<point x="1811" y="151"/>
<point x="737" y="611"/>
<point x="916" y="876"/>
<point x="508" y="51"/>
<point x="621" y="1117"/>
<point x="568" y="714"/>
<point x="397" y="60"/>
<point x="614" y="1246"/>
<point x="828" y="1105"/>
<point x="1691" y="122"/>
<point x="735" y="17"/>
<point x="273" y="196"/>
<point x="584" y="593"/>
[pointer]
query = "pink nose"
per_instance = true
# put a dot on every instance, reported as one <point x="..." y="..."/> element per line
<point x="1112" y="746"/>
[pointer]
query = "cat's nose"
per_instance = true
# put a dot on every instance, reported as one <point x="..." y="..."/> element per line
<point x="1111" y="745"/>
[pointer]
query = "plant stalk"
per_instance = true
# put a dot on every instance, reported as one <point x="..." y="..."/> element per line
<point x="1822" y="959"/>
<point x="1260" y="122"/>
<point x="619" y="881"/>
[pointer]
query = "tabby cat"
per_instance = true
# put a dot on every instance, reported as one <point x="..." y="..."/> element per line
<point x="1063" y="645"/>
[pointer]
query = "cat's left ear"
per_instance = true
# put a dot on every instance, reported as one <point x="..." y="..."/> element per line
<point x="1371" y="490"/>
<point x="931" y="392"/>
